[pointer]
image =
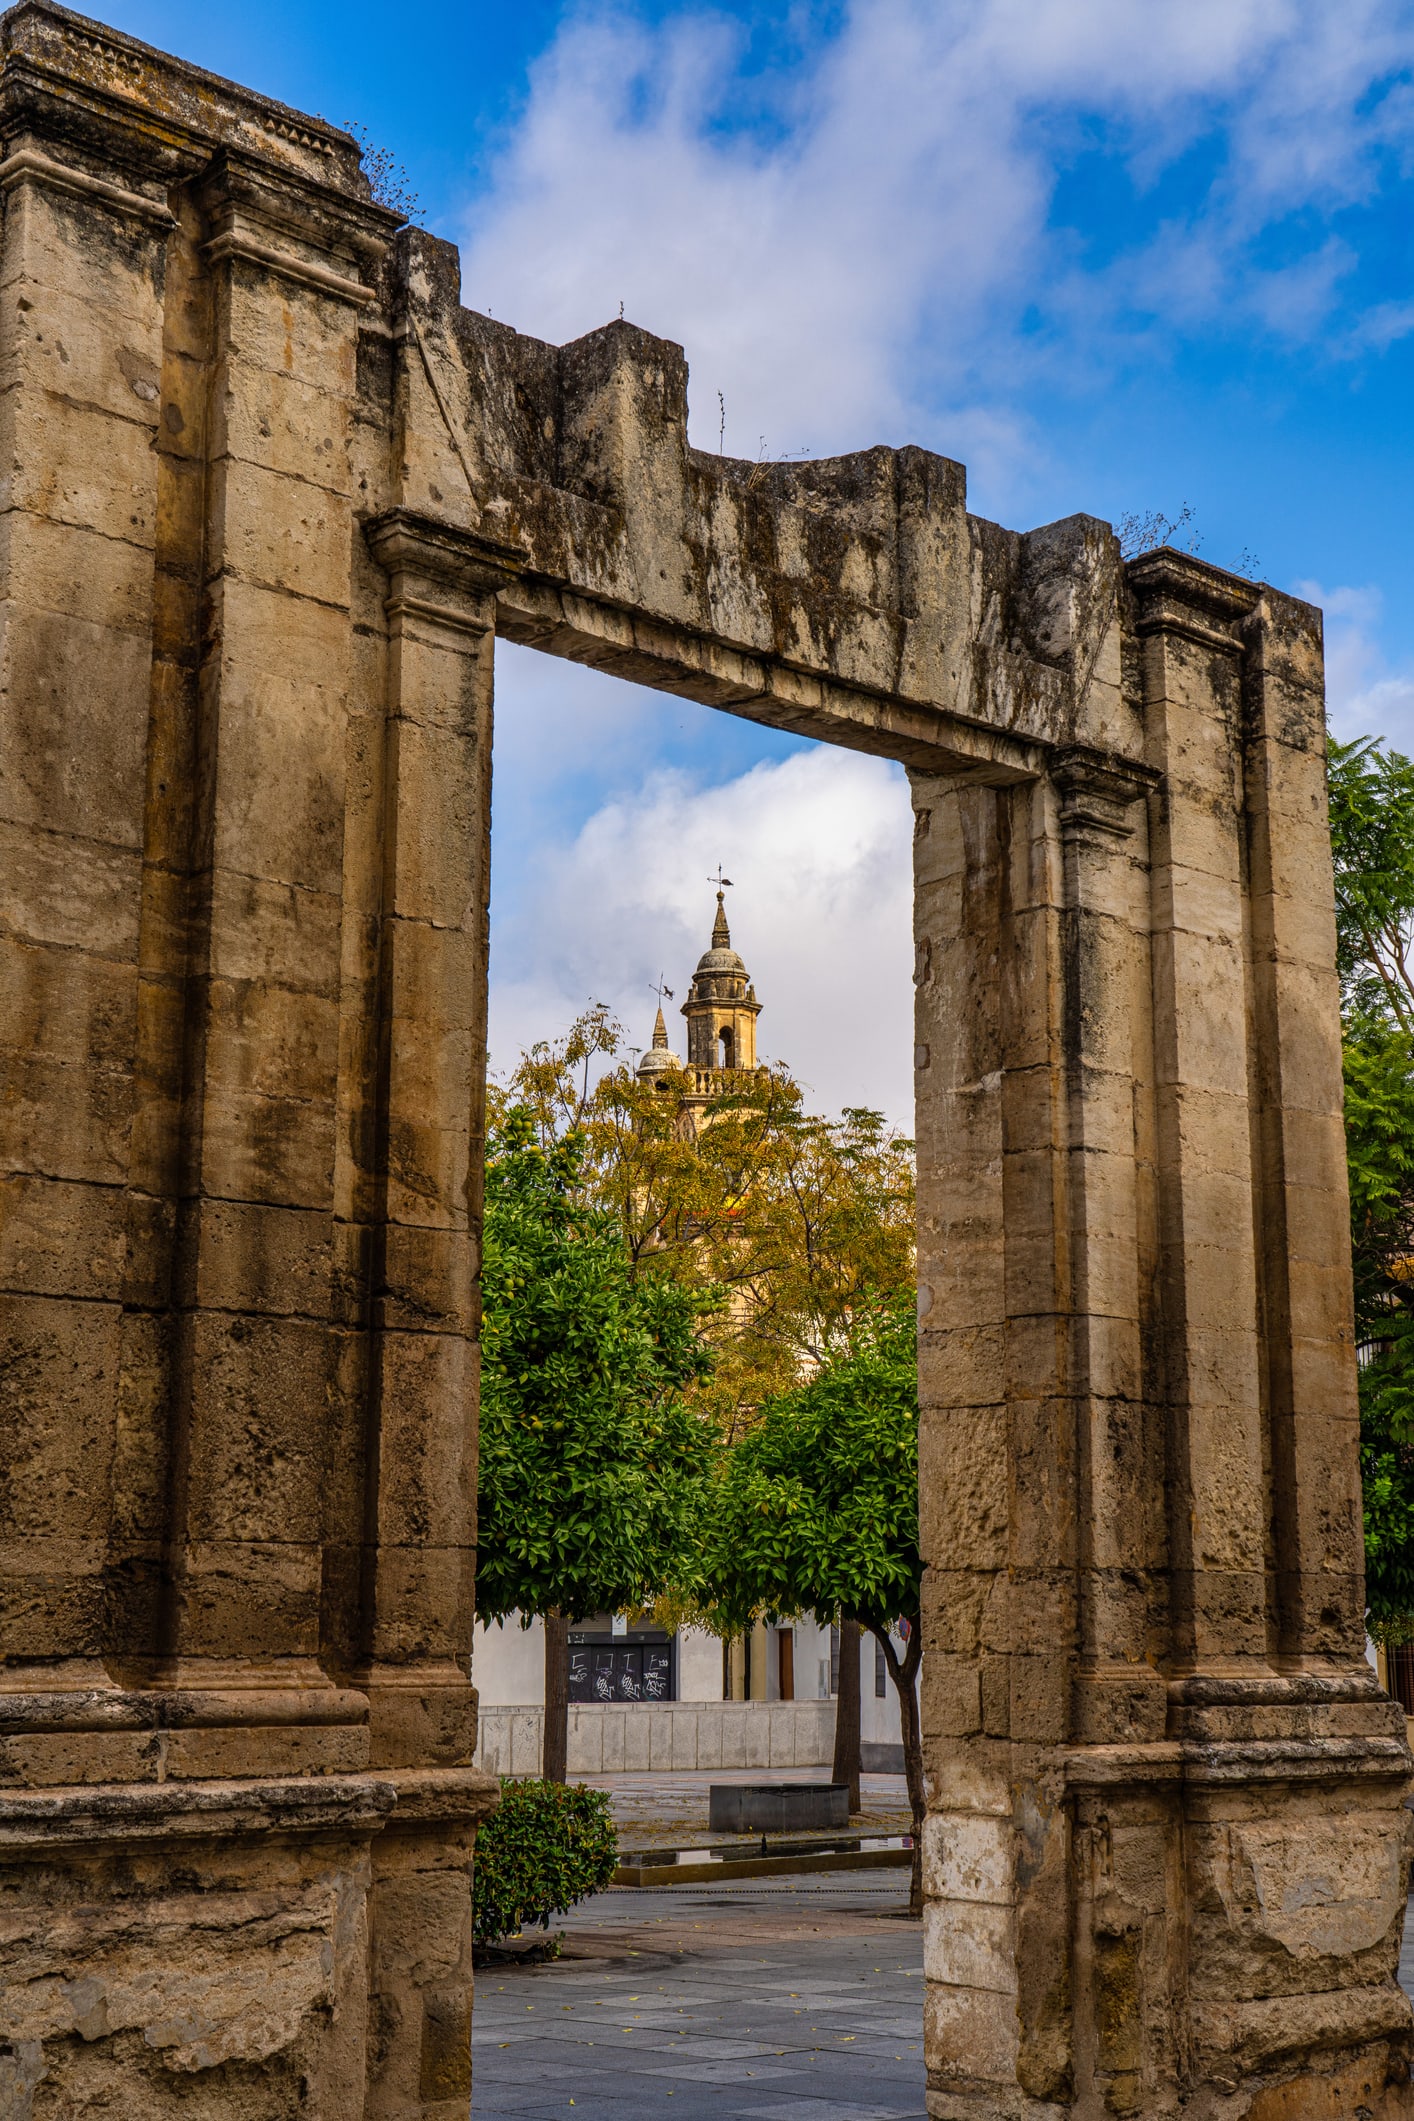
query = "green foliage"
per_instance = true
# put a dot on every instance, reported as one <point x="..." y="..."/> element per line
<point x="1372" y="840"/>
<point x="1379" y="1136"/>
<point x="547" y="1845"/>
<point x="595" y="1468"/>
<point x="1387" y="1470"/>
<point x="795" y="1218"/>
<point x="818" y="1508"/>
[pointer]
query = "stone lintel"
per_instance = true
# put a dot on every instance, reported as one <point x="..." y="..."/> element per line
<point x="549" y="613"/>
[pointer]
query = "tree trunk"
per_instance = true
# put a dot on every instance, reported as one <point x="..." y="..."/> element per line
<point x="554" y="1758"/>
<point x="846" y="1767"/>
<point x="904" y="1672"/>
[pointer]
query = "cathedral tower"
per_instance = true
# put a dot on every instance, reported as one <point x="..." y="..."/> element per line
<point x="721" y="1006"/>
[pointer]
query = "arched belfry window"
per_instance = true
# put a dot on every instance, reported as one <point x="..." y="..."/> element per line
<point x="726" y="1038"/>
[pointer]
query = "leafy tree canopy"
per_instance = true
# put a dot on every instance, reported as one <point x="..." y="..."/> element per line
<point x="818" y="1507"/>
<point x="797" y="1219"/>
<point x="1372" y="840"/>
<point x="595" y="1464"/>
<point x="818" y="1510"/>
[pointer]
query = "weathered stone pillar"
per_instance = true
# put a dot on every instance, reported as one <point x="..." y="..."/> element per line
<point x="1167" y="1852"/>
<point x="243" y="824"/>
<point x="422" y="1461"/>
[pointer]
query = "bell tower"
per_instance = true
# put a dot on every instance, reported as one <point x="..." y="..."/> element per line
<point x="721" y="1006"/>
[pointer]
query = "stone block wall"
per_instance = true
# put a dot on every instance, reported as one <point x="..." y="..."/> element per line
<point x="678" y="1737"/>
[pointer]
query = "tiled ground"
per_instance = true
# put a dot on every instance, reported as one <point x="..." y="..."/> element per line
<point x="765" y="2000"/>
<point x="769" y="2000"/>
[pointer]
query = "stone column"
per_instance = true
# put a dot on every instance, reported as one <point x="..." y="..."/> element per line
<point x="1293" y="1766"/>
<point x="1166" y="1852"/>
<point x="236" y="1530"/>
<point x="421" y="1560"/>
<point x="997" y="1444"/>
<point x="84" y="261"/>
<point x="253" y="1434"/>
<point x="437" y="848"/>
<point x="1317" y="1544"/>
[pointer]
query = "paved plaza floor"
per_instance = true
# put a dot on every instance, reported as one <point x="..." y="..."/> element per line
<point x="781" y="1999"/>
<point x="796" y="1999"/>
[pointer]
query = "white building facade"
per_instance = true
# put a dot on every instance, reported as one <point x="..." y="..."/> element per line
<point x="773" y="1707"/>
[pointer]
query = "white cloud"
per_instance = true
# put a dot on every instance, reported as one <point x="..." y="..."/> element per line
<point x="857" y="268"/>
<point x="819" y="847"/>
<point x="1364" y="696"/>
<point x="867" y="247"/>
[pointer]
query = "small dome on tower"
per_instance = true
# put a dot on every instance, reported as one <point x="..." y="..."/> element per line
<point x="659" y="1059"/>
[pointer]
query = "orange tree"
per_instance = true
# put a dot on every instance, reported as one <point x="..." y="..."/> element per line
<point x="595" y="1465"/>
<point x="817" y="1511"/>
<point x="795" y="1219"/>
<point x="1372" y="838"/>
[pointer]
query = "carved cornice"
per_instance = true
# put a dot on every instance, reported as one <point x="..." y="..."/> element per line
<point x="235" y="242"/>
<point x="240" y="190"/>
<point x="28" y="166"/>
<point x="427" y="559"/>
<point x="72" y="75"/>
<point x="1098" y="790"/>
<point x="1176" y="593"/>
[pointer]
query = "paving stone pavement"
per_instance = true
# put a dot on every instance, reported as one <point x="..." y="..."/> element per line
<point x="796" y="1999"/>
<point x="763" y="2000"/>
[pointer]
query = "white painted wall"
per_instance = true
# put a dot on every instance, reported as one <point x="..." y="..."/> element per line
<point x="879" y="1719"/>
<point x="508" y="1663"/>
<point x="508" y="1666"/>
<point x="699" y="1665"/>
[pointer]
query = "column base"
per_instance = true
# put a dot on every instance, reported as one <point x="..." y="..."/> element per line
<point x="1208" y="1926"/>
<point x="1371" y="2083"/>
<point x="222" y="1947"/>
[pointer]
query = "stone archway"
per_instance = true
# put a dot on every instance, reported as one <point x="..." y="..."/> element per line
<point x="273" y="494"/>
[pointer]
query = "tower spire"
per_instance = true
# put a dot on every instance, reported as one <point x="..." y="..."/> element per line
<point x="721" y="933"/>
<point x="660" y="1032"/>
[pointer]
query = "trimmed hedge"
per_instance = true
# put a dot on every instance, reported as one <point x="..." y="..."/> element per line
<point x="547" y="1845"/>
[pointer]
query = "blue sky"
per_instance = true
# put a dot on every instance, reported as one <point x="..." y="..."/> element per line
<point x="1117" y="256"/>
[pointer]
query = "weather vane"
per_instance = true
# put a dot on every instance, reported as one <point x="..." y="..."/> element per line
<point x="719" y="880"/>
<point x="663" y="991"/>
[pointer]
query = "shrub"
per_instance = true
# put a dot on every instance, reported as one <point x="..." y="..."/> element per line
<point x="547" y="1845"/>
